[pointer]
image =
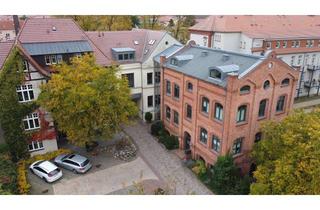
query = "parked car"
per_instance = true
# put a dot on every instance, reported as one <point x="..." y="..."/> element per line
<point x="46" y="170"/>
<point x="73" y="162"/>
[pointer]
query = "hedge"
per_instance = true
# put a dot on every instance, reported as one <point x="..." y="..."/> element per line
<point x="156" y="127"/>
<point x="23" y="185"/>
<point x="170" y="142"/>
<point x="8" y="174"/>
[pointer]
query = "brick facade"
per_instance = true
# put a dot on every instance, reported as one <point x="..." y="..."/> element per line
<point x="227" y="129"/>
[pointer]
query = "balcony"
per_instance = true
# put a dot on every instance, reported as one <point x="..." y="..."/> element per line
<point x="313" y="67"/>
<point x="307" y="84"/>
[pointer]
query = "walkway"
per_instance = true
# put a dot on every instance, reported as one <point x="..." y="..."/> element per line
<point x="106" y="181"/>
<point x="165" y="164"/>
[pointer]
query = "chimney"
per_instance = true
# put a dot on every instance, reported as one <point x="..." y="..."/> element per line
<point x="162" y="59"/>
<point x="225" y="57"/>
<point x="16" y="24"/>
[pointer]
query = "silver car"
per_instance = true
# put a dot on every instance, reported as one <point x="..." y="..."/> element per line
<point x="73" y="162"/>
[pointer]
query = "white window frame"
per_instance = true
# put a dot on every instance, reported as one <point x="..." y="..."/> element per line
<point x="284" y="44"/>
<point x="47" y="59"/>
<point x="269" y="45"/>
<point x="33" y="117"/>
<point x="25" y="66"/>
<point x="218" y="111"/>
<point x="59" y="58"/>
<point x="215" y="144"/>
<point x="53" y="59"/>
<point x="36" y="145"/>
<point x="25" y="89"/>
<point x="203" y="135"/>
<point x="278" y="44"/>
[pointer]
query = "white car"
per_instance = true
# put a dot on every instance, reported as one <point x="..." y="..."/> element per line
<point x="46" y="170"/>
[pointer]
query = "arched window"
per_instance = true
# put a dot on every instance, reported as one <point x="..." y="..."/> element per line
<point x="262" y="108"/>
<point x="266" y="84"/>
<point x="241" y="114"/>
<point x="245" y="89"/>
<point x="205" y="105"/>
<point x="281" y="104"/>
<point x="189" y="86"/>
<point x="218" y="111"/>
<point x="285" y="82"/>
<point x="203" y="135"/>
<point x="216" y="145"/>
<point x="168" y="113"/>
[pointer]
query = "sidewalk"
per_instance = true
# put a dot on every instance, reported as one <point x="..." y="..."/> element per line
<point x="308" y="104"/>
<point x="165" y="164"/>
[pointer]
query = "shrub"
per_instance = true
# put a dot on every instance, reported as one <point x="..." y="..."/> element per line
<point x="156" y="128"/>
<point x="148" y="117"/>
<point x="164" y="132"/>
<point x="200" y="168"/>
<point x="47" y="156"/>
<point x="8" y="174"/>
<point x="170" y="142"/>
<point x="4" y="148"/>
<point x="23" y="185"/>
<point x="226" y="178"/>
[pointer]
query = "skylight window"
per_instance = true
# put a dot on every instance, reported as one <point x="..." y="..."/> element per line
<point x="152" y="41"/>
<point x="136" y="42"/>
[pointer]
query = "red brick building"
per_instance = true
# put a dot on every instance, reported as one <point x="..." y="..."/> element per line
<point x="215" y="101"/>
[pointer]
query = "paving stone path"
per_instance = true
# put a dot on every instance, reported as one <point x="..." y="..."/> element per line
<point x="165" y="164"/>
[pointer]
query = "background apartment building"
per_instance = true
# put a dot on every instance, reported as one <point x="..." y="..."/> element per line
<point x="8" y="31"/>
<point x="295" y="39"/>
<point x="215" y="100"/>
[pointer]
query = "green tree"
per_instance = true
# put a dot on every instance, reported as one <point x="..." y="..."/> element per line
<point x="135" y="21"/>
<point x="226" y="178"/>
<point x="11" y="111"/>
<point x="87" y="100"/>
<point x="288" y="157"/>
<point x="151" y="22"/>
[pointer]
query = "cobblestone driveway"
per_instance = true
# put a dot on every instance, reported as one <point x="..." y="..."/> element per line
<point x="165" y="164"/>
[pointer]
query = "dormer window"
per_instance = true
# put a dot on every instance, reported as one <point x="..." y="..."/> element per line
<point x="174" y="61"/>
<point x="216" y="74"/>
<point x="123" y="54"/>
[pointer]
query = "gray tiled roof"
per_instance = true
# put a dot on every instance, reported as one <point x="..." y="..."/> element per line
<point x="57" y="47"/>
<point x="204" y="59"/>
<point x="167" y="52"/>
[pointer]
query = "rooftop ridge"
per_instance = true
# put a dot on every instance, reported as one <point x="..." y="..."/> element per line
<point x="229" y="52"/>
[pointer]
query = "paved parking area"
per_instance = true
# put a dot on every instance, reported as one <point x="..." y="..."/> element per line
<point x="107" y="180"/>
<point x="164" y="163"/>
<point x="107" y="176"/>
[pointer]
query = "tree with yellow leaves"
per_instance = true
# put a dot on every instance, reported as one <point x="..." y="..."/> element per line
<point x="86" y="100"/>
<point x="288" y="157"/>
